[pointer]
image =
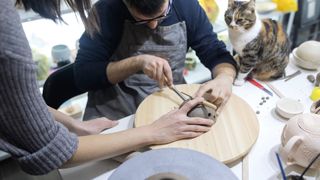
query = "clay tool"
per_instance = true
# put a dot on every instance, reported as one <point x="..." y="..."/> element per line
<point x="281" y="167"/>
<point x="209" y="104"/>
<point x="274" y="89"/>
<point x="205" y="103"/>
<point x="174" y="89"/>
<point x="287" y="78"/>
<point x="178" y="93"/>
<point x="258" y="85"/>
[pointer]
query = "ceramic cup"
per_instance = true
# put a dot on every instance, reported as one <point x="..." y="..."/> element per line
<point x="300" y="141"/>
<point x="287" y="107"/>
<point x="308" y="65"/>
<point x="309" y="51"/>
<point x="60" y="53"/>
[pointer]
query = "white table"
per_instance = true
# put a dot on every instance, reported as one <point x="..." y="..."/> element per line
<point x="262" y="160"/>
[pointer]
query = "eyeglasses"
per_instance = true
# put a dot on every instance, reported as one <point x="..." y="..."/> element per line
<point x="159" y="18"/>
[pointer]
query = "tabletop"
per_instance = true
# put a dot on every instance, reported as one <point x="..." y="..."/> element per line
<point x="261" y="159"/>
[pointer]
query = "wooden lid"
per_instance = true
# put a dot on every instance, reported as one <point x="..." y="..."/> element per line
<point x="229" y="139"/>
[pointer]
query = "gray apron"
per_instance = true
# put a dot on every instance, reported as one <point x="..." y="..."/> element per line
<point x="123" y="99"/>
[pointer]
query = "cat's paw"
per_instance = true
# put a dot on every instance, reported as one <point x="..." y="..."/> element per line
<point x="239" y="82"/>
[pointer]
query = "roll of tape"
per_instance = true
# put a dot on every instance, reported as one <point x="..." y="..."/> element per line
<point x="175" y="163"/>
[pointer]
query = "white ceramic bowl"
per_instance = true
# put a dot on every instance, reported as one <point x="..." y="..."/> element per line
<point x="311" y="65"/>
<point x="287" y="107"/>
<point x="309" y="51"/>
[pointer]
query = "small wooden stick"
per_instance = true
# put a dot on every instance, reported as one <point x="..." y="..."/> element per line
<point x="245" y="167"/>
<point x="205" y="102"/>
<point x="274" y="89"/>
<point x="209" y="104"/>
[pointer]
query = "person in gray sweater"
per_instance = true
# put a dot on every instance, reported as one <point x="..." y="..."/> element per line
<point x="29" y="132"/>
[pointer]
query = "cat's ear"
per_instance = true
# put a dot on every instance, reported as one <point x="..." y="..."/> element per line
<point x="230" y="2"/>
<point x="252" y="3"/>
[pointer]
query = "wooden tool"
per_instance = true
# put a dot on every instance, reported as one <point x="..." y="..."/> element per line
<point x="245" y="167"/>
<point x="205" y="102"/>
<point x="287" y="78"/>
<point x="230" y="138"/>
<point x="274" y="89"/>
<point x="209" y="104"/>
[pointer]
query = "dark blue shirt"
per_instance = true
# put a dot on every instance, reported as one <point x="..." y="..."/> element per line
<point x="94" y="53"/>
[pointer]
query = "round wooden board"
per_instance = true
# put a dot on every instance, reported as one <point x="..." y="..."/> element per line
<point x="229" y="139"/>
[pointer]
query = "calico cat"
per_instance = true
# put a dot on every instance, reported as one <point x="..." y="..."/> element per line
<point x="262" y="46"/>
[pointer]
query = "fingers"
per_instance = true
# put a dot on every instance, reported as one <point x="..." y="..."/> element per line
<point x="219" y="110"/>
<point x="191" y="131"/>
<point x="202" y="90"/>
<point x="159" y="76"/>
<point x="168" y="74"/>
<point x="159" y="69"/>
<point x="196" y="128"/>
<point x="189" y="135"/>
<point x="199" y="121"/>
<point x="216" y="96"/>
<point x="190" y="104"/>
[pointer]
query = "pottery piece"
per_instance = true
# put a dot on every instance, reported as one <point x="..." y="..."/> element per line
<point x="311" y="78"/>
<point x="287" y="107"/>
<point x="60" y="52"/>
<point x="300" y="141"/>
<point x="309" y="51"/>
<point x="315" y="107"/>
<point x="201" y="111"/>
<point x="309" y="65"/>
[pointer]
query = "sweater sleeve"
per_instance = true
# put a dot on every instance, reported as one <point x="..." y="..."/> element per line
<point x="202" y="38"/>
<point x="27" y="130"/>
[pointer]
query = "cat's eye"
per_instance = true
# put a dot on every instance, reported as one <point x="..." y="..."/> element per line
<point x="240" y="20"/>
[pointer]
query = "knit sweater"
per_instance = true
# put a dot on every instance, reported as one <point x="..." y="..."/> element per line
<point x="27" y="130"/>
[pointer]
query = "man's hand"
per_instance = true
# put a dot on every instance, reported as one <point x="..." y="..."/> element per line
<point x="218" y="90"/>
<point x="157" y="69"/>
